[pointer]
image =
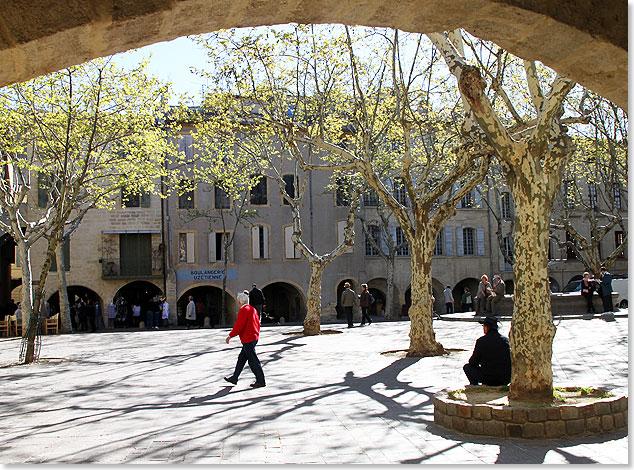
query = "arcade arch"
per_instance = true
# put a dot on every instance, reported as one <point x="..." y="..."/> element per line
<point x="283" y="300"/>
<point x="211" y="298"/>
<point x="470" y="283"/>
<point x="340" y="289"/>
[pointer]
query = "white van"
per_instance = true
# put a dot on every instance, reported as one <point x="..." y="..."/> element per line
<point x="620" y="286"/>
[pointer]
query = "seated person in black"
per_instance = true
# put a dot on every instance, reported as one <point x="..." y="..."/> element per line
<point x="490" y="363"/>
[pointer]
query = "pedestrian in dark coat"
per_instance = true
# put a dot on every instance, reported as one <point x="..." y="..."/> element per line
<point x="606" y="290"/>
<point x="587" y="290"/>
<point x="365" y="300"/>
<point x="256" y="299"/>
<point x="490" y="363"/>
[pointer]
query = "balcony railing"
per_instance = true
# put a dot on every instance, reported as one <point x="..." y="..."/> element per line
<point x="112" y="268"/>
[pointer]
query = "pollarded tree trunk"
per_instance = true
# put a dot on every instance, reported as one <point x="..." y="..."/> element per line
<point x="64" y="304"/>
<point x="532" y="329"/>
<point x="389" y="296"/>
<point x="312" y="322"/>
<point x="422" y="337"/>
<point x="28" y="312"/>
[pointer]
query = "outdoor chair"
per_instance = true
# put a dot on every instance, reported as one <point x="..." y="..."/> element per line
<point x="50" y="325"/>
<point x="4" y="326"/>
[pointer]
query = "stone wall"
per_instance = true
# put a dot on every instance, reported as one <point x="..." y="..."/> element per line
<point x="607" y="414"/>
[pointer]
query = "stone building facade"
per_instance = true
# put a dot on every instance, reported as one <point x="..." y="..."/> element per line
<point x="151" y="246"/>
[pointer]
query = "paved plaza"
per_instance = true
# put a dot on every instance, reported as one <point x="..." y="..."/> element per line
<point x="159" y="397"/>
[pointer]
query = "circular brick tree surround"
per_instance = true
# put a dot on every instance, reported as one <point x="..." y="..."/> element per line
<point x="603" y="415"/>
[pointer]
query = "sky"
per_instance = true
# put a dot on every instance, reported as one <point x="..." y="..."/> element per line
<point x="171" y="61"/>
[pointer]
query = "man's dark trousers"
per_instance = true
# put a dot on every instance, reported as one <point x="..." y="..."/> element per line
<point x="348" y="311"/>
<point x="248" y="354"/>
<point x="473" y="374"/>
<point x="607" y="303"/>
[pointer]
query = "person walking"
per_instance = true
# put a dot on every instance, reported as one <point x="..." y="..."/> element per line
<point x="484" y="290"/>
<point x="84" y="312"/>
<point x="467" y="303"/>
<point x="365" y="300"/>
<point x="190" y="312"/>
<point x="136" y="314"/>
<point x="587" y="290"/>
<point x="256" y="299"/>
<point x="448" y="300"/>
<point x="348" y="301"/>
<point x="247" y="326"/>
<point x="490" y="363"/>
<point x="606" y="290"/>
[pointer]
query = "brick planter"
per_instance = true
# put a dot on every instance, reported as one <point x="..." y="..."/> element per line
<point x="585" y="419"/>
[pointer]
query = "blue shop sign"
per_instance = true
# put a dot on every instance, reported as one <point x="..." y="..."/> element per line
<point x="206" y="275"/>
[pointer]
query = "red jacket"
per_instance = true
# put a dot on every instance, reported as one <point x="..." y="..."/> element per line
<point x="247" y="325"/>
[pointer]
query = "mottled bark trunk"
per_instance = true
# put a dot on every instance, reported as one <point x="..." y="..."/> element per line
<point x="312" y="322"/>
<point x="389" y="299"/>
<point x="64" y="304"/>
<point x="422" y="337"/>
<point x="532" y="328"/>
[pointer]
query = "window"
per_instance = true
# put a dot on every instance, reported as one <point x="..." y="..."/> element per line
<point x="259" y="195"/>
<point x="400" y="238"/>
<point x="342" y="197"/>
<point x="374" y="232"/>
<point x="290" y="250"/>
<point x="217" y="247"/>
<point x="186" y="247"/>
<point x="130" y="199"/>
<point x="438" y="247"/>
<point x="468" y="242"/>
<point x="221" y="198"/>
<point x="66" y="250"/>
<point x="507" y="243"/>
<point x="399" y="191"/>
<point x="505" y="206"/>
<point x="467" y="202"/>
<point x="341" y="227"/>
<point x="260" y="241"/>
<point x="592" y="195"/>
<point x="617" y="196"/>
<point x="370" y="198"/>
<point x="186" y="145"/>
<point x="43" y="189"/>
<point x="618" y="241"/>
<point x="290" y="186"/>
<point x="186" y="200"/>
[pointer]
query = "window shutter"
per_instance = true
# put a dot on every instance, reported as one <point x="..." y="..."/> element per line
<point x="255" y="241"/>
<point x="459" y="244"/>
<point x="480" y="240"/>
<point x="341" y="225"/>
<point x="449" y="241"/>
<point x="477" y="197"/>
<point x="212" y="247"/>
<point x="191" y="245"/>
<point x="289" y="246"/>
<point x="265" y="234"/>
<point x="144" y="199"/>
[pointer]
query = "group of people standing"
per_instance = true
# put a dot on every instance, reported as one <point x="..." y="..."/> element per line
<point x="487" y="296"/>
<point x="350" y="299"/>
<point x="121" y="315"/>
<point x="603" y="286"/>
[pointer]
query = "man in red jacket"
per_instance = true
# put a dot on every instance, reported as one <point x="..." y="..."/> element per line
<point x="248" y="327"/>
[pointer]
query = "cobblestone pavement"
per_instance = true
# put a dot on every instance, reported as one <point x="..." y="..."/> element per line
<point x="159" y="397"/>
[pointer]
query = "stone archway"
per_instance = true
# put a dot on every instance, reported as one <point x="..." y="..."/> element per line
<point x="585" y="41"/>
<point x="283" y="300"/>
<point x="211" y="299"/>
<point x="469" y="283"/>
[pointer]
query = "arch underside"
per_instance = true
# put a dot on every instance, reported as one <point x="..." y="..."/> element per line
<point x="585" y="41"/>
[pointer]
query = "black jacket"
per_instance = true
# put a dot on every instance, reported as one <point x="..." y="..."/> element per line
<point x="493" y="355"/>
<point x="256" y="297"/>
